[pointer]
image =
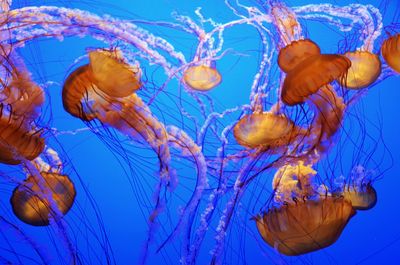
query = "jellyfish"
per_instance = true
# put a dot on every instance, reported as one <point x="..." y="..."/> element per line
<point x="31" y="200"/>
<point x="266" y="130"/>
<point x="305" y="226"/>
<point x="83" y="99"/>
<point x="304" y="221"/>
<point x="358" y="188"/>
<point x="227" y="164"/>
<point x="296" y="52"/>
<point x="311" y="74"/>
<point x="112" y="75"/>
<point x="18" y="142"/>
<point x="391" y="52"/>
<point x="24" y="96"/>
<point x="202" y="77"/>
<point x="364" y="70"/>
<point x="361" y="198"/>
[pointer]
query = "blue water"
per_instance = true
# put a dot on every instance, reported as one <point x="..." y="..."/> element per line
<point x="122" y="193"/>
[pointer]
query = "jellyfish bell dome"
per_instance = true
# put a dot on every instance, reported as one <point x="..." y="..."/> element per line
<point x="75" y="93"/>
<point x="311" y="74"/>
<point x="18" y="142"/>
<point x="265" y="130"/>
<point x="30" y="201"/>
<point x="362" y="198"/>
<point x="294" y="53"/>
<point x="202" y="77"/>
<point x="391" y="52"/>
<point x="296" y="229"/>
<point x="364" y="70"/>
<point x="112" y="74"/>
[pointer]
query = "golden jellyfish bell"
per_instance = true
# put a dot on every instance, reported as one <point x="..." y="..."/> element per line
<point x="306" y="226"/>
<point x="391" y="52"/>
<point x="76" y="92"/>
<point x="365" y="69"/>
<point x="112" y="75"/>
<point x="18" y="143"/>
<point x="364" y="198"/>
<point x="264" y="129"/>
<point x="311" y="74"/>
<point x="294" y="53"/>
<point x="30" y="200"/>
<point x="202" y="77"/>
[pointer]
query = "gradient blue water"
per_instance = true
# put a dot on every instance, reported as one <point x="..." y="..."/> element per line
<point x="372" y="237"/>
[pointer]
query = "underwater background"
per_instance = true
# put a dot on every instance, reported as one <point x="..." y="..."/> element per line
<point x="119" y="189"/>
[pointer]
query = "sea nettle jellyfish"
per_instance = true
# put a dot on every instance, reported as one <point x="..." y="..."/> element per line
<point x="202" y="77"/>
<point x="112" y="74"/>
<point x="18" y="141"/>
<point x="266" y="130"/>
<point x="365" y="69"/>
<point x="361" y="198"/>
<point x="33" y="201"/>
<point x="308" y="70"/>
<point x="391" y="52"/>
<point x="306" y="221"/>
<point x="87" y="98"/>
<point x="296" y="229"/>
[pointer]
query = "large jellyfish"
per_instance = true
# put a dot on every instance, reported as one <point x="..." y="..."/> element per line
<point x="238" y="132"/>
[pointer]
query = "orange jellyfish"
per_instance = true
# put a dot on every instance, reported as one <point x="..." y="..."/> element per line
<point x="329" y="111"/>
<point x="83" y="98"/>
<point x="391" y="52"/>
<point x="307" y="77"/>
<point x="362" y="198"/>
<point x="34" y="200"/>
<point x="294" y="53"/>
<point x="365" y="69"/>
<point x="306" y="226"/>
<point x="201" y="77"/>
<point x="106" y="77"/>
<point x="265" y="130"/>
<point x="23" y="95"/>
<point x="75" y="93"/>
<point x="112" y="74"/>
<point x="302" y="225"/>
<point x="18" y="142"/>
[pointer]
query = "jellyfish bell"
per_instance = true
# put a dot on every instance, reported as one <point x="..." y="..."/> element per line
<point x="361" y="198"/>
<point x="364" y="70"/>
<point x="306" y="226"/>
<point x="31" y="201"/>
<point x="294" y="53"/>
<point x="391" y="52"/>
<point x="75" y="93"/>
<point x="112" y="74"/>
<point x="23" y="95"/>
<point x="17" y="142"/>
<point x="265" y="130"/>
<point x="311" y="74"/>
<point x="202" y="77"/>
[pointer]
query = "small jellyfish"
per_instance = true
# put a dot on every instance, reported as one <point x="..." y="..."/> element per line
<point x="365" y="69"/>
<point x="311" y="74"/>
<point x="265" y="130"/>
<point x="112" y="74"/>
<point x="294" y="53"/>
<point x="391" y="52"/>
<point x="34" y="200"/>
<point x="18" y="142"/>
<point x="361" y="198"/>
<point x="201" y="77"/>
<point x="296" y="229"/>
